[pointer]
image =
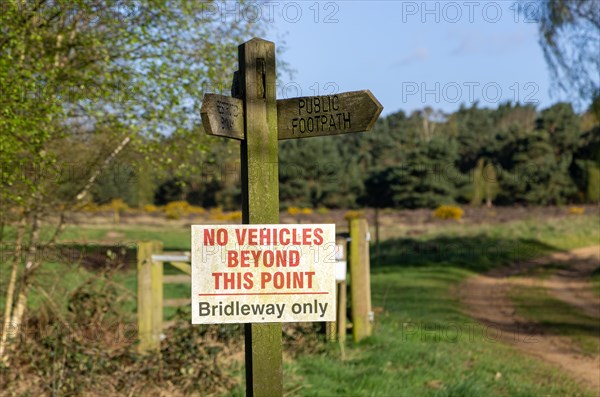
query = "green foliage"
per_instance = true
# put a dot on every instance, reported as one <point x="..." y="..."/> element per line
<point x="313" y="172"/>
<point x="562" y="125"/>
<point x="110" y="66"/>
<point x="118" y="181"/>
<point x="535" y="173"/>
<point x="568" y="32"/>
<point x="378" y="193"/>
<point x="428" y="177"/>
<point x="74" y="71"/>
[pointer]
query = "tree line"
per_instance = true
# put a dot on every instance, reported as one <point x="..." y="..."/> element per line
<point x="513" y="154"/>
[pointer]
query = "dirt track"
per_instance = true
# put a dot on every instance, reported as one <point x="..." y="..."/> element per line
<point x="485" y="298"/>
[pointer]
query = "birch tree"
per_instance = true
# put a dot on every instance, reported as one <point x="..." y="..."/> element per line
<point x="80" y="82"/>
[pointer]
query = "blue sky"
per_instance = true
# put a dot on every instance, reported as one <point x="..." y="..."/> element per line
<point x="413" y="54"/>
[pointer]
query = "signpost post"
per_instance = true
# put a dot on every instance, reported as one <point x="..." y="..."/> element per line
<point x="258" y="120"/>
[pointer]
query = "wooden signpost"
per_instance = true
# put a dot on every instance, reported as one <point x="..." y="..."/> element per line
<point x="302" y="117"/>
<point x="258" y="120"/>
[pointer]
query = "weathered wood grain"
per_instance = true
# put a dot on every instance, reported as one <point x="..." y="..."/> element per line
<point x="260" y="199"/>
<point x="324" y="115"/>
<point x="223" y="116"/>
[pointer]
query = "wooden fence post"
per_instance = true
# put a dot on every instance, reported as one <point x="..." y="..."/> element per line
<point x="341" y="311"/>
<point x="149" y="296"/>
<point x="360" y="279"/>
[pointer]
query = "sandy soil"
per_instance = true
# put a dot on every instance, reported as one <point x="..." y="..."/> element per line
<point x="486" y="298"/>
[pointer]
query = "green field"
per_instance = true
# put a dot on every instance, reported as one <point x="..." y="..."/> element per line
<point x="422" y="344"/>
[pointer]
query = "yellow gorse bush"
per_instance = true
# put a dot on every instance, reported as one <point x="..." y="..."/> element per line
<point x="192" y="209"/>
<point x="219" y="215"/>
<point x="294" y="211"/>
<point x="90" y="207"/>
<point x="576" y="210"/>
<point x="448" y="212"/>
<point x="177" y="209"/>
<point x="151" y="208"/>
<point x="234" y="216"/>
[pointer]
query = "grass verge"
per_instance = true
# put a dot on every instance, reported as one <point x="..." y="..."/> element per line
<point x="424" y="346"/>
<point x="558" y="317"/>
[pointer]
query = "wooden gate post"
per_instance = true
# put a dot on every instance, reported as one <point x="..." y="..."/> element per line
<point x="149" y="296"/>
<point x="360" y="279"/>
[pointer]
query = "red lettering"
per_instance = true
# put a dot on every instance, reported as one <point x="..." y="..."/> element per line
<point x="245" y="259"/>
<point x="241" y="236"/>
<point x="209" y="237"/>
<point x="265" y="236"/>
<point x="293" y="258"/>
<point x="268" y="258"/>
<point x="295" y="240"/>
<point x="298" y="280"/>
<point x="252" y="237"/>
<point x="318" y="236"/>
<point x="232" y="258"/>
<point x="222" y="237"/>
<point x="310" y="275"/>
<point x="217" y="276"/>
<point x="278" y="280"/>
<point x="229" y="280"/>
<point x="306" y="236"/>
<point x="248" y="284"/>
<point x="255" y="257"/>
<point x="265" y="277"/>
<point x="284" y="240"/>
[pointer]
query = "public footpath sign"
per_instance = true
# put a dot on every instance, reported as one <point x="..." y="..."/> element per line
<point x="255" y="117"/>
<point x="263" y="273"/>
<point x="302" y="117"/>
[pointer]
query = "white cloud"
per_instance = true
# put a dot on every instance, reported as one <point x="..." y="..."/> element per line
<point x="417" y="55"/>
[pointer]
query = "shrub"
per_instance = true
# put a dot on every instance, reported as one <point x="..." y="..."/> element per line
<point x="192" y="209"/>
<point x="226" y="216"/>
<point x="576" y="210"/>
<point x="307" y="211"/>
<point x="177" y="209"/>
<point x="293" y="211"/>
<point x="118" y="204"/>
<point x="448" y="212"/>
<point x="322" y="210"/>
<point x="151" y="208"/>
<point x="90" y="207"/>
<point x="234" y="216"/>
<point x="90" y="349"/>
<point x="216" y="213"/>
